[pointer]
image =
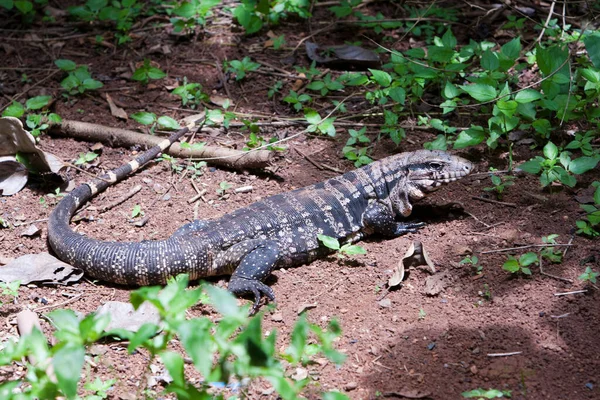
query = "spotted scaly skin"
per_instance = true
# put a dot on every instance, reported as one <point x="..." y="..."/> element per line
<point x="249" y="243"/>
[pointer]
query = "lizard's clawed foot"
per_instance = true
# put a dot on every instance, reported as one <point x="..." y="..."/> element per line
<point x="239" y="285"/>
<point x="409" y="227"/>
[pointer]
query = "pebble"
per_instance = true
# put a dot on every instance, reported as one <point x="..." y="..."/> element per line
<point x="385" y="303"/>
<point x="278" y="317"/>
<point x="350" y="386"/>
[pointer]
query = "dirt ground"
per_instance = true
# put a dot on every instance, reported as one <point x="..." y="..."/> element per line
<point x="414" y="344"/>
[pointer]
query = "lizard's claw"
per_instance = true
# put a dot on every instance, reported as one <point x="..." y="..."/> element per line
<point x="239" y="285"/>
<point x="409" y="227"/>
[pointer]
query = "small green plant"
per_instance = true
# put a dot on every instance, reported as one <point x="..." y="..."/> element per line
<point x="85" y="158"/>
<point x="486" y="293"/>
<point x="78" y="80"/>
<point x="557" y="165"/>
<point x="173" y="163"/>
<point x="500" y="184"/>
<point x="241" y="67"/>
<point x="473" y="261"/>
<point x="137" y="211"/>
<point x="354" y="153"/>
<point x="422" y="314"/>
<point x="191" y="94"/>
<point x="551" y="253"/>
<point x="520" y="265"/>
<point x="10" y="289"/>
<point x="99" y="388"/>
<point x="588" y="226"/>
<point x="196" y="168"/>
<point x="274" y="89"/>
<point x="223" y="189"/>
<point x="326" y="85"/>
<point x="4" y="223"/>
<point x="589" y="275"/>
<point x="342" y="251"/>
<point x="52" y="196"/>
<point x="481" y="394"/>
<point x="297" y="100"/>
<point x="189" y="14"/>
<point x="36" y="122"/>
<point x="319" y="124"/>
<point x="146" y="72"/>
<point x="149" y="119"/>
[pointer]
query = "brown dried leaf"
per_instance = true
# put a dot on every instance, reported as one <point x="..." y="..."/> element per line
<point x="40" y="267"/>
<point x="13" y="175"/>
<point x="115" y="110"/>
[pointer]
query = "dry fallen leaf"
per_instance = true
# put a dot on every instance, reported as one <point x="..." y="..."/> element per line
<point x="41" y="267"/>
<point x="14" y="139"/>
<point x="414" y="256"/>
<point x="115" y="110"/>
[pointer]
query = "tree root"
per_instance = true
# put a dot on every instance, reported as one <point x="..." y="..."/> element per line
<point x="228" y="158"/>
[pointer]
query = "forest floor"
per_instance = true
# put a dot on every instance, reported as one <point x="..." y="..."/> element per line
<point x="404" y="342"/>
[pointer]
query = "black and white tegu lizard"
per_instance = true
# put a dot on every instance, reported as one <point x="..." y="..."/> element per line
<point x="278" y="231"/>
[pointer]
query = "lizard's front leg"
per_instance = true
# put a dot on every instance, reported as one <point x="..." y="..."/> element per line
<point x="255" y="260"/>
<point x="378" y="218"/>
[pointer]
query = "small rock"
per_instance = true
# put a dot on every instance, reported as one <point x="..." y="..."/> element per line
<point x="278" y="317"/>
<point x="542" y="314"/>
<point x="431" y="346"/>
<point x="473" y="369"/>
<point x="31" y="230"/>
<point x="589" y="385"/>
<point x="301" y="373"/>
<point x="350" y="386"/>
<point x="385" y="303"/>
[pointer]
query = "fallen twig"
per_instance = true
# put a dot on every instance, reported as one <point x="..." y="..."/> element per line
<point x="568" y="293"/>
<point x="120" y="200"/>
<point x="513" y="353"/>
<point x="560" y="278"/>
<point x="125" y="138"/>
<point x="524" y="247"/>
<point x="310" y="160"/>
<point x="494" y="201"/>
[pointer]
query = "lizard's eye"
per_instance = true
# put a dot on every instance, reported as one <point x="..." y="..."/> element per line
<point x="435" y="166"/>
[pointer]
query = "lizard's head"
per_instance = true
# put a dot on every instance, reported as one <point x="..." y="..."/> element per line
<point x="428" y="170"/>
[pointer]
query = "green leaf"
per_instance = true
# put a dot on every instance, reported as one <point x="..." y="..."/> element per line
<point x="335" y="396"/>
<point x="67" y="362"/>
<point x="512" y="49"/>
<point x="65" y="65"/>
<point x="583" y="164"/>
<point x="480" y="91"/>
<point x="550" y="151"/>
<point x="592" y="45"/>
<point x="528" y="259"/>
<point x="511" y="265"/>
<point x="471" y="137"/>
<point x="533" y="166"/>
<point x="329" y="242"/>
<point x="35" y="103"/>
<point x="224" y="302"/>
<point x="156" y="73"/>
<point x="144" y="118"/>
<point x="448" y="40"/>
<point x="174" y="364"/>
<point x="450" y="91"/>
<point x="25" y="6"/>
<point x="382" y="78"/>
<point x="145" y="332"/>
<point x="542" y="126"/>
<point x="196" y="337"/>
<point x="92" y="84"/>
<point x="551" y="58"/>
<point x="527" y="96"/>
<point x="167" y="122"/>
<point x="353" y="249"/>
<point x="489" y="61"/>
<point x="507" y="107"/>
<point x="440" y="54"/>
<point x="398" y="94"/>
<point x="16" y="110"/>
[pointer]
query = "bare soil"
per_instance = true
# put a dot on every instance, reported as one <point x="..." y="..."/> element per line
<point x="415" y="344"/>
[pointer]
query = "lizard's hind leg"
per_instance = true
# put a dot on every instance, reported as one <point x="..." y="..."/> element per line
<point x="190" y="227"/>
<point x="257" y="259"/>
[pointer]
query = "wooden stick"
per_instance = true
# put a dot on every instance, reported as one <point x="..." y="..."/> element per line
<point x="120" y="200"/>
<point x="494" y="201"/>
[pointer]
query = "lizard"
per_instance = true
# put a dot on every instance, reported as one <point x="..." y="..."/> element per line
<point x="277" y="231"/>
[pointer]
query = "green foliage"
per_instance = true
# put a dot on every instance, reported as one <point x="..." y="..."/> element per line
<point x="297" y="100"/>
<point x="473" y="261"/>
<point x="36" y="122"/>
<point x="318" y="124"/>
<point x="588" y="276"/>
<point x="241" y="67"/>
<point x="10" y="289"/>
<point x="78" y="80"/>
<point x="326" y="85"/>
<point x="550" y="253"/>
<point x="588" y="226"/>
<point x="85" y="158"/>
<point x="224" y="187"/>
<point x="557" y="165"/>
<point x="354" y="153"/>
<point x="520" y="265"/>
<point x="500" y="184"/>
<point x="123" y="13"/>
<point x="146" y="72"/>
<point x="233" y="349"/>
<point x="342" y="251"/>
<point x="192" y="13"/>
<point x="137" y="211"/>
<point x="163" y="122"/>
<point x="190" y="93"/>
<point x="486" y="394"/>
<point x="254" y="14"/>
